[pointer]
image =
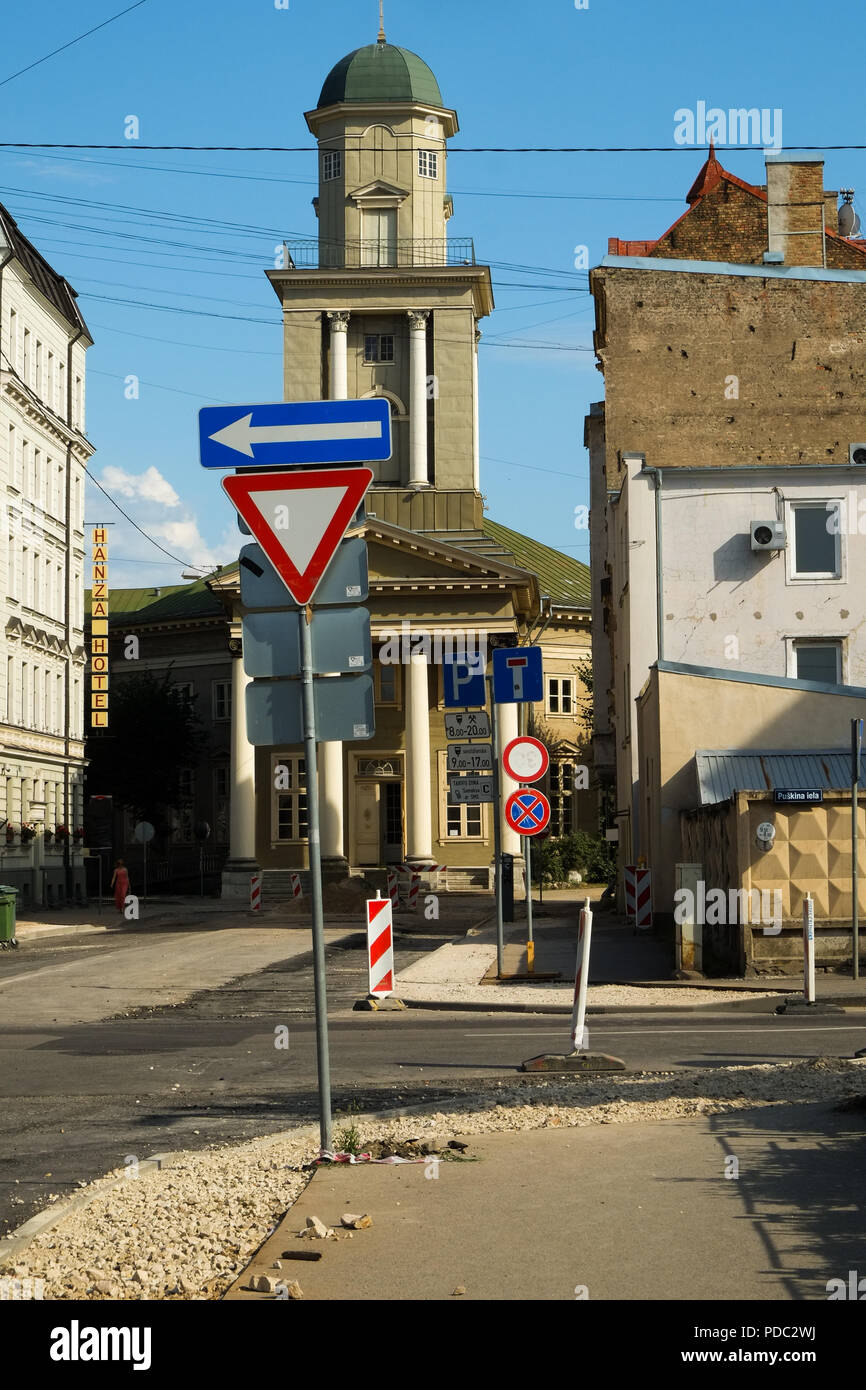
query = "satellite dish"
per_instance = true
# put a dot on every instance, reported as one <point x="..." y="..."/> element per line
<point x="849" y="220"/>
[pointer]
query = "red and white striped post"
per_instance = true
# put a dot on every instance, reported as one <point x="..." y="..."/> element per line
<point x="256" y="893"/>
<point x="414" y="889"/>
<point x="581" y="977"/>
<point x="393" y="888"/>
<point x="380" y="947"/>
<point x="296" y="885"/>
<point x="639" y="896"/>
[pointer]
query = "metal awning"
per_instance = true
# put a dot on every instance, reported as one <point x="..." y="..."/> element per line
<point x="722" y="772"/>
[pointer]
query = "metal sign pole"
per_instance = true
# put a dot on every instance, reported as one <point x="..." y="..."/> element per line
<point x="527" y="870"/>
<point x="144" y="894"/>
<point x="322" y="1058"/>
<point x="497" y="838"/>
<point x="856" y="731"/>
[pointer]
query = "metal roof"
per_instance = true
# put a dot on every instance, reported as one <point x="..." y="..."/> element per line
<point x="54" y="287"/>
<point x="721" y="773"/>
<point x="380" y="72"/>
<point x="565" y="579"/>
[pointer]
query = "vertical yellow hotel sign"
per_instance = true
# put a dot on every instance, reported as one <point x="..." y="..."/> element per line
<point x="99" y="630"/>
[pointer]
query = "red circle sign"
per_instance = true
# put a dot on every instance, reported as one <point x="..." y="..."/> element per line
<point x="527" y="811"/>
<point x="525" y="759"/>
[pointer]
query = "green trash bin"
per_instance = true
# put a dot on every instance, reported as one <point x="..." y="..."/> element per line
<point x="8" y="894"/>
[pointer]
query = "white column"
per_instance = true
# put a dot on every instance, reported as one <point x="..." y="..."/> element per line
<point x="242" y="806"/>
<point x="418" y="398"/>
<point x="419" y="827"/>
<point x="506" y="730"/>
<point x="331" y="788"/>
<point x="331" y="805"/>
<point x="476" y="432"/>
<point x="339" y="385"/>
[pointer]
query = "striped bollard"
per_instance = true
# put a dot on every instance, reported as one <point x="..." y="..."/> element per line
<point x="393" y="893"/>
<point x="380" y="947"/>
<point x="256" y="893"/>
<point x="296" y="885"/>
<point x="414" y="888"/>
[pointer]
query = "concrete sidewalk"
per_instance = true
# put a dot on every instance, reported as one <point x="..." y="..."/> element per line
<point x="628" y="971"/>
<point x="638" y="1211"/>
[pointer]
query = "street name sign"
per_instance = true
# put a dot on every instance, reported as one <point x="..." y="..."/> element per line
<point x="470" y="790"/>
<point x="295" y="432"/>
<point x="464" y="683"/>
<point x="346" y="579"/>
<point x="525" y="759"/>
<point x="527" y="811"/>
<point x="343" y="706"/>
<point x="467" y="724"/>
<point x="785" y="796"/>
<point x="340" y="640"/>
<point x="299" y="519"/>
<point x="470" y="757"/>
<point x="517" y="675"/>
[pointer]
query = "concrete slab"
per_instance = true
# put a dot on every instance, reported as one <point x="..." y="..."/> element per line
<point x="641" y="1211"/>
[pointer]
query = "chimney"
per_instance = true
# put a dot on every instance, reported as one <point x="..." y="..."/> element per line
<point x="795" y="209"/>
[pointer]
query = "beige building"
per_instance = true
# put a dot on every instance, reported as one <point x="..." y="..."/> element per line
<point x="382" y="303"/>
<point x="43" y="454"/>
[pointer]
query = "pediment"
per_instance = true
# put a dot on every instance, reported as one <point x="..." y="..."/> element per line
<point x="396" y="555"/>
<point x="379" y="190"/>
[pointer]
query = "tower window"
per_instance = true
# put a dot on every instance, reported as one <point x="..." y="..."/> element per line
<point x="332" y="165"/>
<point x="428" y="164"/>
<point x="379" y="347"/>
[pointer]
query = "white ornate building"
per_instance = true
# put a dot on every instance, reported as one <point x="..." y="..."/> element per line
<point x="43" y="452"/>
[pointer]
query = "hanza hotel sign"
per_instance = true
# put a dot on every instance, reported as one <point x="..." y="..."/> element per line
<point x="99" y="630"/>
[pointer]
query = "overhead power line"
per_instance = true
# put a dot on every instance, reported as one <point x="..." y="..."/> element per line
<point x="135" y="145"/>
<point x="72" y="42"/>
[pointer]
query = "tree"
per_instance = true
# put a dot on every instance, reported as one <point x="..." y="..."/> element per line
<point x="154" y="731"/>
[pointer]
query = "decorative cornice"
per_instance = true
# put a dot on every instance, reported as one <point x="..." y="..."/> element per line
<point x="51" y="423"/>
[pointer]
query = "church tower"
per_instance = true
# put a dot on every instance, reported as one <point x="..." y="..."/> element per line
<point x="383" y="303"/>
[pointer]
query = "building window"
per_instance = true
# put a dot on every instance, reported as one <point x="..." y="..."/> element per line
<point x="289" y="781"/>
<point x="818" y="661"/>
<point x="560" y="695"/>
<point x="464" y="822"/>
<point x="816" y="550"/>
<point x="379" y="347"/>
<point x="186" y="691"/>
<point x="562" y="819"/>
<point x="428" y="164"/>
<point x="386" y="684"/>
<point x="332" y="165"/>
<point x="222" y="699"/>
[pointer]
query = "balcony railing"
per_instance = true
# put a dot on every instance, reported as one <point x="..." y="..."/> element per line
<point x="422" y="252"/>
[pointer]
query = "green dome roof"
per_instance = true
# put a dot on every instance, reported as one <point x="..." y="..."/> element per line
<point x="381" y="72"/>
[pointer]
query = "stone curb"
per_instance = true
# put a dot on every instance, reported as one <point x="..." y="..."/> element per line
<point x="462" y="1006"/>
<point x="12" y="1244"/>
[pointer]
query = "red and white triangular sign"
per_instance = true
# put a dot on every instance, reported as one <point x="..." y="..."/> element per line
<point x="299" y="519"/>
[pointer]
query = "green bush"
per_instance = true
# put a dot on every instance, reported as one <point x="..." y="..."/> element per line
<point x="591" y="856"/>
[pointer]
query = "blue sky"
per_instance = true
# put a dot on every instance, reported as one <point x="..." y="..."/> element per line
<point x="204" y="226"/>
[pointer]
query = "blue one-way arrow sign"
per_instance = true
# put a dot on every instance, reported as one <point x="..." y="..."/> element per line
<point x="272" y="436"/>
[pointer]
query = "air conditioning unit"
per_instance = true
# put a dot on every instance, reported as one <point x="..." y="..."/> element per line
<point x="768" y="535"/>
<point x="857" y="455"/>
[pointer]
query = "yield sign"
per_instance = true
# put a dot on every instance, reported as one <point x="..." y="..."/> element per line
<point x="527" y="812"/>
<point x="299" y="519"/>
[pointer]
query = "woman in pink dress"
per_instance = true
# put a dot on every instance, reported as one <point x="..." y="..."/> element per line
<point x="120" y="884"/>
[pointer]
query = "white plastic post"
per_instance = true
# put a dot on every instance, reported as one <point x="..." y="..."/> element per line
<point x="809" y="949"/>
<point x="581" y="977"/>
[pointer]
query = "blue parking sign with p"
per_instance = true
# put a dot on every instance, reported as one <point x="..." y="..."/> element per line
<point x="465" y="684"/>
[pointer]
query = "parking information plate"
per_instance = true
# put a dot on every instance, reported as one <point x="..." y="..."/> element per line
<point x="470" y="790"/>
<point x="467" y="724"/>
<point x="470" y="757"/>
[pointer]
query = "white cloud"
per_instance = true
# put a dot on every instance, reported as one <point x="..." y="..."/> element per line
<point x="149" y="486"/>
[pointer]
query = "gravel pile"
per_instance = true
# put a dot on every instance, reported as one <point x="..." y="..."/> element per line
<point x="186" y="1231"/>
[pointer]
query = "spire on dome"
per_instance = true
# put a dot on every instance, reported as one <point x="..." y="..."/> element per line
<point x="381" y="36"/>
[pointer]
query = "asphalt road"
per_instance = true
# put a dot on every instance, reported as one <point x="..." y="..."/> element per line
<point x="79" y="1099"/>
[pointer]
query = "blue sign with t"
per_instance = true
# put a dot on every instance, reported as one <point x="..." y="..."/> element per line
<point x="464" y="682"/>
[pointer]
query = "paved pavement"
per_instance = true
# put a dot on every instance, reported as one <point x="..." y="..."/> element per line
<point x="642" y="1211"/>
